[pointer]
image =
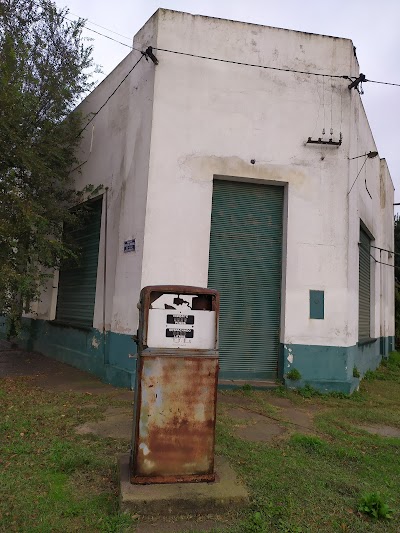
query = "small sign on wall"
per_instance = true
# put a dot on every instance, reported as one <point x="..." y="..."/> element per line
<point x="129" y="246"/>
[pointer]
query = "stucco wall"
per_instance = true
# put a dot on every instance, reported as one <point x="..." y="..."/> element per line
<point x="172" y="128"/>
<point x="115" y="154"/>
<point x="210" y="119"/>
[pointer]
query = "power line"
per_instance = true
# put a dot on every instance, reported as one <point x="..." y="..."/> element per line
<point x="221" y="60"/>
<point x="345" y="77"/>
<point x="384" y="82"/>
<point x="252" y="64"/>
<point x="111" y="95"/>
<point x="106" y="36"/>
<point x="359" y="172"/>
<point x="376" y="260"/>
<point x="102" y="27"/>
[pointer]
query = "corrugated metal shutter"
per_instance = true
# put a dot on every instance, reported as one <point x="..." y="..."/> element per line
<point x="364" y="299"/>
<point x="77" y="284"/>
<point x="246" y="267"/>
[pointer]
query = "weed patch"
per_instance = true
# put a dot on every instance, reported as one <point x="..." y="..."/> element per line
<point x="375" y="506"/>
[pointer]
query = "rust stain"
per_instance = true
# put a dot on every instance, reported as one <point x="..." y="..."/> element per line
<point x="175" y="403"/>
<point x="177" y="421"/>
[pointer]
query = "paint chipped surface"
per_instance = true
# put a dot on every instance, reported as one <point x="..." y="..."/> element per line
<point x="95" y="342"/>
<point x="177" y="417"/>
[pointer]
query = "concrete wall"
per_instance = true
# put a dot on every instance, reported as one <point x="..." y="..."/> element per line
<point x="171" y="129"/>
<point x="114" y="154"/>
<point x="211" y="119"/>
<point x="217" y="118"/>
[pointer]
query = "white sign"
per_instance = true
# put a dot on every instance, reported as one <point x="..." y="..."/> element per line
<point x="170" y="328"/>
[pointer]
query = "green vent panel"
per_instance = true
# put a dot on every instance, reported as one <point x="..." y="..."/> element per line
<point x="364" y="301"/>
<point x="317" y="305"/>
<point x="77" y="284"/>
<point x="246" y="267"/>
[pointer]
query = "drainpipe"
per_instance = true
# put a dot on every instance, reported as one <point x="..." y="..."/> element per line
<point x="105" y="353"/>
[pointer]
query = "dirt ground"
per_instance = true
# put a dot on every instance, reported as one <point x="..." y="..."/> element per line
<point x="53" y="375"/>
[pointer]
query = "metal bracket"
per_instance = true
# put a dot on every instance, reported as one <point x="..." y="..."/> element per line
<point x="330" y="142"/>
<point x="355" y="83"/>
<point x="149" y="54"/>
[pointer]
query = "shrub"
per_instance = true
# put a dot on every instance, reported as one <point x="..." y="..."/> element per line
<point x="293" y="375"/>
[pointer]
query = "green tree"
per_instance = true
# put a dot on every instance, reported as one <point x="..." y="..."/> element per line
<point x="45" y="67"/>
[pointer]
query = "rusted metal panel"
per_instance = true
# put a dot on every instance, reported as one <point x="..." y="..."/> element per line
<point x="175" y="430"/>
<point x="176" y="385"/>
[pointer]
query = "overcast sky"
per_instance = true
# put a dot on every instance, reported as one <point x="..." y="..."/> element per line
<point x="372" y="25"/>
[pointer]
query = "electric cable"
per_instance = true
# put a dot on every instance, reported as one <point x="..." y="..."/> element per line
<point x="111" y="95"/>
<point x="341" y="111"/>
<point x="359" y="172"/>
<point x="384" y="250"/>
<point x="323" y="103"/>
<point x="365" y="181"/>
<point x="384" y="82"/>
<point x="106" y="36"/>
<point x="251" y="64"/>
<point x="351" y="78"/>
<point x="376" y="260"/>
<point x="331" y="130"/>
<point x="102" y="27"/>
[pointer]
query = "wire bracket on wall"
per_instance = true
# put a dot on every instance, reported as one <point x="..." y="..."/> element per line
<point x="149" y="54"/>
<point x="329" y="142"/>
<point x="358" y="82"/>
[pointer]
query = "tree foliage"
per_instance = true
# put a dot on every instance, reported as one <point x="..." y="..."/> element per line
<point x="45" y="66"/>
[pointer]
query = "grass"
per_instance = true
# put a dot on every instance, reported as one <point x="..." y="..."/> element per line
<point x="313" y="483"/>
<point x="52" y="479"/>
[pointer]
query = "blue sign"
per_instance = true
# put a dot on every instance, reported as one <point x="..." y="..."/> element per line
<point x="130" y="246"/>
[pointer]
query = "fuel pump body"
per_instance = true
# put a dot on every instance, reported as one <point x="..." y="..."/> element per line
<point x="176" y="385"/>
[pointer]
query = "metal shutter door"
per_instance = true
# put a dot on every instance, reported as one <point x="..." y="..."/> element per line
<point x="77" y="285"/>
<point x="246" y="267"/>
<point x="364" y="298"/>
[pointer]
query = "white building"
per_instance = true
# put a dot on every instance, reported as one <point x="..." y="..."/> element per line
<point x="205" y="165"/>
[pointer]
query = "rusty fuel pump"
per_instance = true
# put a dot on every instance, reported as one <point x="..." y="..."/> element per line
<point x="176" y="386"/>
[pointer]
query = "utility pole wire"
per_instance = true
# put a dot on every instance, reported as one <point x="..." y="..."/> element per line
<point x="112" y="94"/>
<point x="106" y="36"/>
<point x="351" y="78"/>
<point x="102" y="27"/>
<point x="359" y="172"/>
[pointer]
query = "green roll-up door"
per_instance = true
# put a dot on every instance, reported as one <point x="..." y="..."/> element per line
<point x="364" y="300"/>
<point x="246" y="267"/>
<point x="77" y="283"/>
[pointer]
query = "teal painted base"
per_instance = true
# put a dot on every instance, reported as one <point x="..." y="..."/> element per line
<point x="326" y="368"/>
<point x="330" y="368"/>
<point x="106" y="356"/>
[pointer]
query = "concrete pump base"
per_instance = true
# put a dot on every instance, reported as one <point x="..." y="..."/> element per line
<point x="182" y="498"/>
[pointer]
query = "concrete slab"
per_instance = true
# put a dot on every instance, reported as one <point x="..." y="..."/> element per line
<point x="182" y="498"/>
<point x="259" y="432"/>
<point x="117" y="424"/>
<point x="383" y="431"/>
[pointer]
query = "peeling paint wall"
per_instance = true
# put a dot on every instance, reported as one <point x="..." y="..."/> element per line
<point x="211" y="119"/>
<point x="172" y="128"/>
<point x="115" y="152"/>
